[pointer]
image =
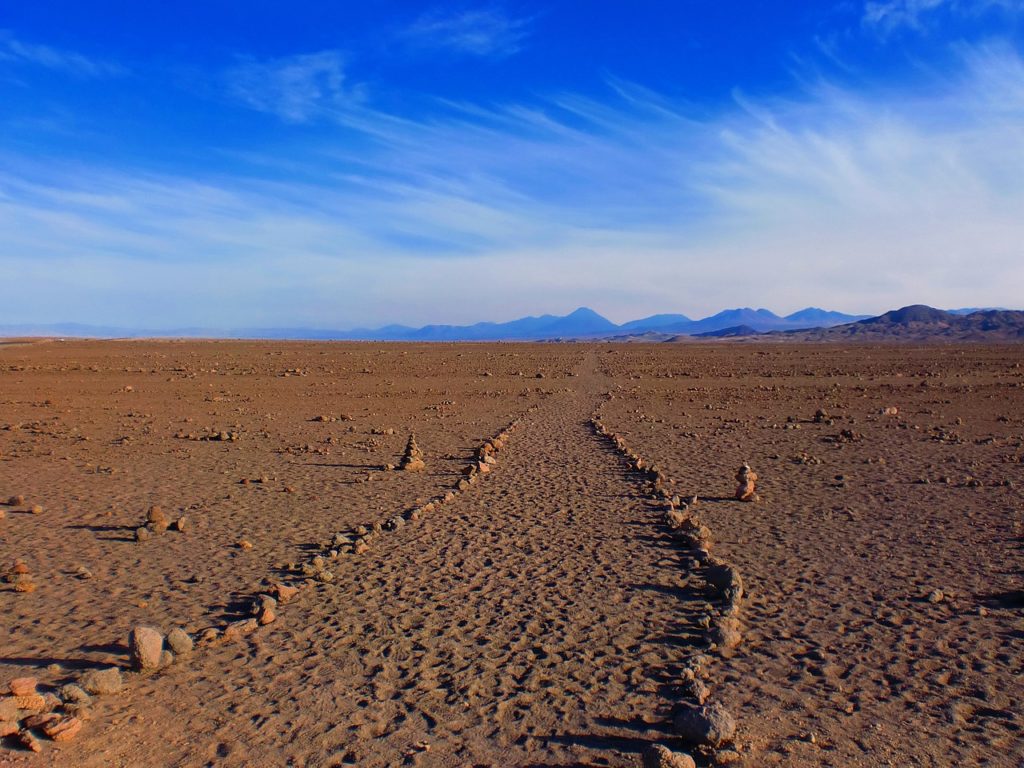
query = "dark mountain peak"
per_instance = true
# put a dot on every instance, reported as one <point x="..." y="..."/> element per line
<point x="915" y="313"/>
<point x="653" y="322"/>
<point x="745" y="312"/>
<point x="581" y="322"/>
<point x="584" y="312"/>
<point x="808" y="312"/>
<point x="730" y="332"/>
<point x="921" y="323"/>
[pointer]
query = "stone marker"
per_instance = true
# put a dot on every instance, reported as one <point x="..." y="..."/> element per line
<point x="144" y="646"/>
<point x="102" y="682"/>
<point x="657" y="756"/>
<point x="705" y="725"/>
<point x="747" y="488"/>
<point x="412" y="460"/>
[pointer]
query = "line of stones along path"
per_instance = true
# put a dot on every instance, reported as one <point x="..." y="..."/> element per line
<point x="536" y="620"/>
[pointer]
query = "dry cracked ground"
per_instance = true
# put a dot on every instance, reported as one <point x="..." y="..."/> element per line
<point x="542" y="616"/>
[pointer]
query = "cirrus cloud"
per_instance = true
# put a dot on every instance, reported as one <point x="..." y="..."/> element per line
<point x="295" y="88"/>
<point x="856" y="199"/>
<point x="15" y="51"/>
<point x="487" y="32"/>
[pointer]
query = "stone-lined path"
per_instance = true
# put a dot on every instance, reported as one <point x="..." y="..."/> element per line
<point x="538" y="619"/>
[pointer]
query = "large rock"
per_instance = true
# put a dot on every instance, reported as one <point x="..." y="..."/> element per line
<point x="74" y="694"/>
<point x="145" y="645"/>
<point x="705" y="725"/>
<point x="179" y="641"/>
<point x="657" y="756"/>
<point x="726" y="633"/>
<point x="155" y="515"/>
<point x="102" y="682"/>
<point x="9" y="711"/>
<point x="63" y="729"/>
<point x="724" y="579"/>
<point x="23" y="686"/>
<point x="284" y="592"/>
<point x="33" y="702"/>
<point x="266" y="615"/>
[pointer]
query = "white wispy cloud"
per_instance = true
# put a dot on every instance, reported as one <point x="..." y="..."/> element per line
<point x="853" y="199"/>
<point x="295" y="88"/>
<point x="890" y="15"/>
<point x="479" y="32"/>
<point x="13" y="50"/>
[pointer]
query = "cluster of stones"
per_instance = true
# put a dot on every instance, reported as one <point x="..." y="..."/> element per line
<point x="158" y="522"/>
<point x="746" y="490"/>
<point x="484" y="458"/>
<point x="20" y="575"/>
<point x="707" y="728"/>
<point x="223" y="435"/>
<point x="217" y="435"/>
<point x="26" y="714"/>
<point x="412" y="459"/>
<point x="331" y="419"/>
<point x="150" y="650"/>
<point x="19" y="501"/>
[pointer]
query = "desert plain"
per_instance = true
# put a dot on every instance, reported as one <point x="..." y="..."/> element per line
<point x="545" y="590"/>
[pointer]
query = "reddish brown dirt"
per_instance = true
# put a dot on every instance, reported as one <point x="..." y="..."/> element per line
<point x="846" y="661"/>
<point x="542" y="616"/>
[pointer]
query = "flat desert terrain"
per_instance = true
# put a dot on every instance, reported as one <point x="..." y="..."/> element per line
<point x="566" y="580"/>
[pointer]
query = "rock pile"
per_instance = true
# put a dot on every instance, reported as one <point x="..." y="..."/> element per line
<point x="25" y="713"/>
<point x="821" y="416"/>
<point x="149" y="650"/>
<point x="747" y="488"/>
<point x="158" y="522"/>
<point x="658" y="756"/>
<point x="412" y="460"/>
<point x="20" y="575"/>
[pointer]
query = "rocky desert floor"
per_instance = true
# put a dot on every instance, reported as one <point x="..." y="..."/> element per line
<point x="545" y="591"/>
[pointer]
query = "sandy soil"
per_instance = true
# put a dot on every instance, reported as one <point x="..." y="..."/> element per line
<point x="542" y="616"/>
<point x="846" y="660"/>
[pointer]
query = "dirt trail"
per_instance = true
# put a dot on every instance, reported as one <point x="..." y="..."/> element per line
<point x="532" y="621"/>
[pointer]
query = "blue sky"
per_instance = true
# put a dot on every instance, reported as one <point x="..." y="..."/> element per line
<point x="330" y="164"/>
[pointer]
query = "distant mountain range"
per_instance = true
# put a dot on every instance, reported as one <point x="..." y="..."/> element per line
<point x="921" y="323"/>
<point x="586" y="324"/>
